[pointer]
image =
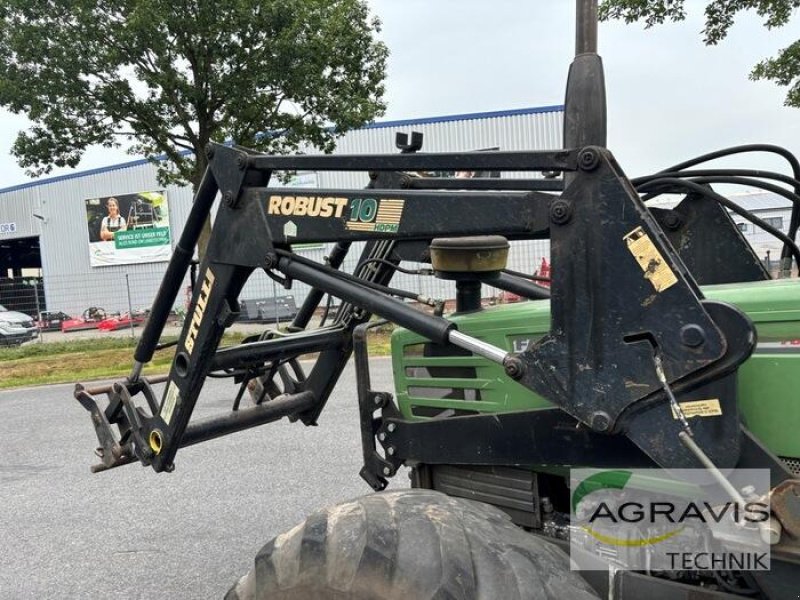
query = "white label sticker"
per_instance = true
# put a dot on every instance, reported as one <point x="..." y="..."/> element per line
<point x="290" y="229"/>
<point x="171" y="400"/>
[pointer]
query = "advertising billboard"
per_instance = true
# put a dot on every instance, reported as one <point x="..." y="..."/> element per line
<point x="128" y="229"/>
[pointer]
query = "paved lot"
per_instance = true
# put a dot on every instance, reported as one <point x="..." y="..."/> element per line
<point x="132" y="533"/>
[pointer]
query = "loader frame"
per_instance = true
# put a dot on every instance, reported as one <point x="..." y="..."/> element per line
<point x="631" y="332"/>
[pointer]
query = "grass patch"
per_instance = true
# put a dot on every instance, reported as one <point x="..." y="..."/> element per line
<point x="84" y="360"/>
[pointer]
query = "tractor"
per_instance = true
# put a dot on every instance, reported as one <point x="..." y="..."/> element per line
<point x="658" y="359"/>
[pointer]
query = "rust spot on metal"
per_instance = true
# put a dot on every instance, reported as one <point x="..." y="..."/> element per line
<point x="785" y="503"/>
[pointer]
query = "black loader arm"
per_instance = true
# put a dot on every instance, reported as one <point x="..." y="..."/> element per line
<point x="620" y="296"/>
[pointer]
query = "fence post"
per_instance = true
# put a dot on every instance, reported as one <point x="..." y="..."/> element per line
<point x="130" y="307"/>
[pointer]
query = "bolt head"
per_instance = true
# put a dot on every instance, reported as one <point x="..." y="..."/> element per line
<point x="513" y="367"/>
<point x="588" y="159"/>
<point x="387" y="471"/>
<point x="390" y="451"/>
<point x="381" y="436"/>
<point x="560" y="212"/>
<point x="391" y="427"/>
<point x="693" y="335"/>
<point x="672" y="221"/>
<point x="600" y="421"/>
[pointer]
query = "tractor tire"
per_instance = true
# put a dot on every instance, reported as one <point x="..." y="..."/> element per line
<point x="410" y="545"/>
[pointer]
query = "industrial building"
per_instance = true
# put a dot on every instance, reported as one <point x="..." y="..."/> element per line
<point x="55" y="255"/>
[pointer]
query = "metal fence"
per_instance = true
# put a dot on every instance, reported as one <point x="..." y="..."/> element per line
<point x="120" y="292"/>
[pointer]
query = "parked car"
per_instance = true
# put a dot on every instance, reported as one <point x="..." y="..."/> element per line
<point x="51" y="320"/>
<point x="16" y="327"/>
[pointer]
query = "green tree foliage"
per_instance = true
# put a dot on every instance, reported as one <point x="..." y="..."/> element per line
<point x="165" y="77"/>
<point x="784" y="69"/>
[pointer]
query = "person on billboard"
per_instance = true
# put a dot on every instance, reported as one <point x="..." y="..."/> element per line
<point x="113" y="222"/>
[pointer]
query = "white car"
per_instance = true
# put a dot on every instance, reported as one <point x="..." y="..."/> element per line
<point x="16" y="327"/>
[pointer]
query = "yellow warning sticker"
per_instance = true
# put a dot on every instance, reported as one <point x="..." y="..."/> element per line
<point x="656" y="270"/>
<point x="171" y="400"/>
<point x="699" y="408"/>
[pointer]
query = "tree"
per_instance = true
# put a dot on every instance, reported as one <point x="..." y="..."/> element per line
<point x="784" y="69"/>
<point x="167" y="77"/>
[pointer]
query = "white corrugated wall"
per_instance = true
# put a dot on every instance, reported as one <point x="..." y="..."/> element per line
<point x="72" y="285"/>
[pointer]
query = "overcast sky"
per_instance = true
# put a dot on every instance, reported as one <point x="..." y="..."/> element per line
<point x="669" y="96"/>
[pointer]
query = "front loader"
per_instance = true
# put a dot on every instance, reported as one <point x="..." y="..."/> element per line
<point x="661" y="343"/>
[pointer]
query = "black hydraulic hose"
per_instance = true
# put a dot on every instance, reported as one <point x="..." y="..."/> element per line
<point x="518" y="286"/>
<point x="759" y="174"/>
<point x="397" y="268"/>
<point x="794" y="222"/>
<point x="347" y="277"/>
<point x="434" y="328"/>
<point x="178" y="265"/>
<point x="526" y="276"/>
<point x="748" y="181"/>
<point x="730" y="179"/>
<point x="790" y="158"/>
<point x="310" y="304"/>
<point x="675" y="182"/>
<point x="326" y="311"/>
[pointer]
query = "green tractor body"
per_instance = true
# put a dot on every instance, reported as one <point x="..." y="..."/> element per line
<point x="440" y="381"/>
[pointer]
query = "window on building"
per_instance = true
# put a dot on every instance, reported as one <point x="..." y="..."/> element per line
<point x="776" y="222"/>
<point x="742" y="227"/>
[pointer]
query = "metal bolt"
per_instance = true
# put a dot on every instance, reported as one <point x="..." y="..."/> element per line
<point x="514" y="367"/>
<point x="588" y="159"/>
<point x="242" y="162"/>
<point x="269" y="261"/>
<point x="390" y="451"/>
<point x="228" y="198"/>
<point x="672" y="220"/>
<point x="560" y="212"/>
<point x="391" y="427"/>
<point x="387" y="471"/>
<point x="378" y="400"/>
<point x="381" y="436"/>
<point x="209" y="151"/>
<point x="693" y="335"/>
<point x="405" y="182"/>
<point x="373" y="175"/>
<point x="600" y="421"/>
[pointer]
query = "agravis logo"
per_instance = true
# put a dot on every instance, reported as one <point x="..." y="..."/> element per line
<point x="646" y="516"/>
<point x="612" y="480"/>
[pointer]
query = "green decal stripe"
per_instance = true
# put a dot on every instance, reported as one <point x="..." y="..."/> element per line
<point x="141" y="238"/>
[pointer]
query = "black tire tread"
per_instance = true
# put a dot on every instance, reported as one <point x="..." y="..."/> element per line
<point x="410" y="545"/>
